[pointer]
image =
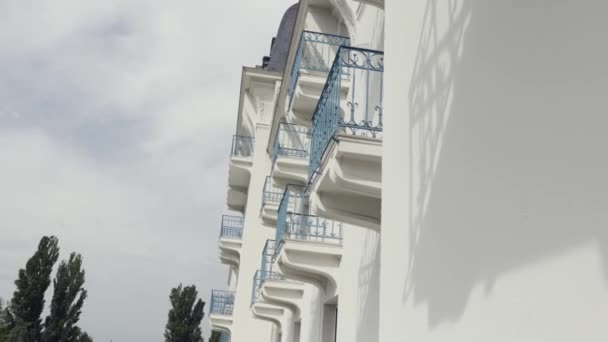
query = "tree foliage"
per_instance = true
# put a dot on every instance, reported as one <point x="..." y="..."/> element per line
<point x="185" y="316"/>
<point x="28" y="299"/>
<point x="20" y="321"/>
<point x="68" y="299"/>
<point x="5" y="321"/>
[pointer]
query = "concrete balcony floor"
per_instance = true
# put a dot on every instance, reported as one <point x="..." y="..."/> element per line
<point x="239" y="176"/>
<point x="230" y="251"/>
<point x="348" y="187"/>
<point x="306" y="96"/>
<point x="315" y="263"/>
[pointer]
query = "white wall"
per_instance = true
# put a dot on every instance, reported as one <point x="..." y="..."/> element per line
<point x="359" y="281"/>
<point x="245" y="326"/>
<point x="494" y="224"/>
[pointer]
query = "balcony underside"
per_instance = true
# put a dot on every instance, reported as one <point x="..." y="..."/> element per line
<point x="284" y="293"/>
<point x="306" y="96"/>
<point x="230" y="251"/>
<point x="310" y="262"/>
<point x="221" y="323"/>
<point x="269" y="213"/>
<point x="288" y="170"/>
<point x="349" y="186"/>
<point x="239" y="176"/>
<point x="267" y="312"/>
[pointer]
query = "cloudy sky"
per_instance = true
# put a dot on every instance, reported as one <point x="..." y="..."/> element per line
<point x="115" y="126"/>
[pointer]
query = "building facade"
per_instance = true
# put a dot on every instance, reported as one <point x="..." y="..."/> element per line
<point x="472" y="154"/>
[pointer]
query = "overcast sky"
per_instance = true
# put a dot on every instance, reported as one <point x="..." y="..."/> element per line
<point x="115" y="125"/>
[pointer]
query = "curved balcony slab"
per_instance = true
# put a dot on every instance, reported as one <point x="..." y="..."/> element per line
<point x="239" y="175"/>
<point x="268" y="312"/>
<point x="285" y="293"/>
<point x="288" y="170"/>
<point x="236" y="199"/>
<point x="348" y="187"/>
<point x="269" y="213"/>
<point x="221" y="323"/>
<point x="306" y="96"/>
<point x="230" y="251"/>
<point x="310" y="262"/>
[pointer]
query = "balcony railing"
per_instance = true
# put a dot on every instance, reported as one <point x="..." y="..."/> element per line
<point x="312" y="228"/>
<point x="258" y="280"/>
<point x="272" y="193"/>
<point x="294" y="200"/>
<point x="242" y="146"/>
<point x="267" y="255"/>
<point x="222" y="303"/>
<point x="364" y="69"/>
<point x="232" y="227"/>
<point x="291" y="141"/>
<point x="316" y="52"/>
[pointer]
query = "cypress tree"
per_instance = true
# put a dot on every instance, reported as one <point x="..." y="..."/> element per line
<point x="28" y="299"/>
<point x="185" y="316"/>
<point x="68" y="299"/>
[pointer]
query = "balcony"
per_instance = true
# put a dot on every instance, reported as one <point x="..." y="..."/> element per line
<point x="241" y="160"/>
<point x="314" y="57"/>
<point x="221" y="309"/>
<point x="271" y="197"/>
<point x="231" y="235"/>
<point x="271" y="288"/>
<point x="309" y="248"/>
<point x="290" y="154"/>
<point x="346" y="142"/>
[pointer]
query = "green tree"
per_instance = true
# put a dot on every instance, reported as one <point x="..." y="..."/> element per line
<point x="82" y="336"/>
<point x="215" y="336"/>
<point x="68" y="299"/>
<point x="28" y="299"/>
<point x="185" y="316"/>
<point x="5" y="322"/>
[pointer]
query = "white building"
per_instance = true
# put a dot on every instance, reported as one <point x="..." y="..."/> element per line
<point x="477" y="163"/>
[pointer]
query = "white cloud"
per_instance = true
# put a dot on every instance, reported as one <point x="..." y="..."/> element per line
<point x="115" y="124"/>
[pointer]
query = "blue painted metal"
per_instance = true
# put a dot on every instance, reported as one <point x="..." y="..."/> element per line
<point x="222" y="303"/>
<point x="232" y="227"/>
<point x="267" y="255"/>
<point x="258" y="280"/>
<point x="242" y="146"/>
<point x="272" y="194"/>
<point x="364" y="69"/>
<point x="294" y="200"/>
<point x="255" y="287"/>
<point x="316" y="52"/>
<point x="312" y="228"/>
<point x="291" y="141"/>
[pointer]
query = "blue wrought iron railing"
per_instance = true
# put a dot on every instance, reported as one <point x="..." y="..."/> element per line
<point x="258" y="280"/>
<point x="222" y="303"/>
<point x="232" y="227"/>
<point x="242" y="146"/>
<point x="294" y="200"/>
<point x="272" y="193"/>
<point x="267" y="255"/>
<point x="316" y="52"/>
<point x="312" y="228"/>
<point x="291" y="141"/>
<point x="364" y="70"/>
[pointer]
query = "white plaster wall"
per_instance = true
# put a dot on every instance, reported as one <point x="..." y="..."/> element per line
<point x="245" y="326"/>
<point x="494" y="209"/>
<point x="359" y="282"/>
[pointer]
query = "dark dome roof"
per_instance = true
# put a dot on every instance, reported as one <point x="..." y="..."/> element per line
<point x="280" y="47"/>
